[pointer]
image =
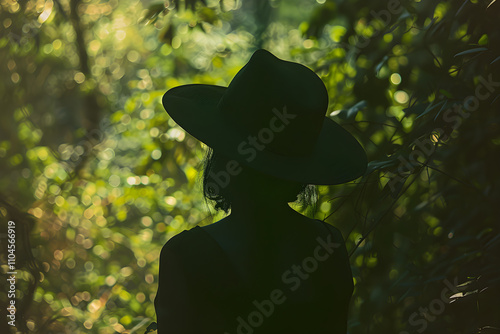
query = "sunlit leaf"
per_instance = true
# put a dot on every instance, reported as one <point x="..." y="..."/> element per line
<point x="153" y="12"/>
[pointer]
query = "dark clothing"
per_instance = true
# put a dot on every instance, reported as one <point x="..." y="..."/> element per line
<point x="201" y="291"/>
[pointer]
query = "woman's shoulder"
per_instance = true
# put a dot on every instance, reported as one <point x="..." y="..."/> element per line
<point x="299" y="221"/>
<point x="181" y="242"/>
<point x="327" y="226"/>
<point x="322" y="227"/>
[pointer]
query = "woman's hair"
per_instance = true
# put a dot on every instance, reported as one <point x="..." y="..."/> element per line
<point x="221" y="197"/>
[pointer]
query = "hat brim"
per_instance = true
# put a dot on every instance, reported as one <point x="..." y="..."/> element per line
<point x="336" y="158"/>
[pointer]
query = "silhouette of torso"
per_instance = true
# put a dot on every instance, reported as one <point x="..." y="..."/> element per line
<point x="213" y="279"/>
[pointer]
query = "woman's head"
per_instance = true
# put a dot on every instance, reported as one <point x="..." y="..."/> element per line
<point x="225" y="181"/>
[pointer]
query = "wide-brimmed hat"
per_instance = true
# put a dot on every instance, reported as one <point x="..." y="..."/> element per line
<point x="271" y="118"/>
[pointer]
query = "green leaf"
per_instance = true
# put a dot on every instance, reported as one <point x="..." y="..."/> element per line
<point x="167" y="34"/>
<point x="351" y="112"/>
<point x="446" y="93"/>
<point x="461" y="8"/>
<point x="207" y="15"/>
<point x="470" y="51"/>
<point x="429" y="108"/>
<point x="495" y="60"/>
<point x="380" y="164"/>
<point x="416" y="108"/>
<point x="379" y="65"/>
<point x="153" y="12"/>
<point x="440" y="110"/>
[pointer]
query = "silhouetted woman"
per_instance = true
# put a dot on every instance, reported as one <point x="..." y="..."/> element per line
<point x="264" y="268"/>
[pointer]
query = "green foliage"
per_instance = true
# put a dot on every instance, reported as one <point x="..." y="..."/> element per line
<point x="88" y="150"/>
<point x="427" y="74"/>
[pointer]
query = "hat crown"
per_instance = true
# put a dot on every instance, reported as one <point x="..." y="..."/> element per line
<point x="282" y="104"/>
<point x="279" y="108"/>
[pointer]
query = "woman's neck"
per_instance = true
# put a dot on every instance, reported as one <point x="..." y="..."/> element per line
<point x="261" y="211"/>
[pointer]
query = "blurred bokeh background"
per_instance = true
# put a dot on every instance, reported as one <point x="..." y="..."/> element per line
<point x="97" y="176"/>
